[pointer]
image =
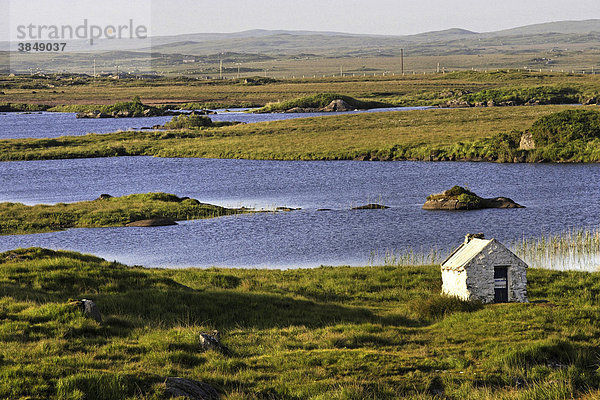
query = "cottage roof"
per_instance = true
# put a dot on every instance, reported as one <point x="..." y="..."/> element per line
<point x="465" y="253"/>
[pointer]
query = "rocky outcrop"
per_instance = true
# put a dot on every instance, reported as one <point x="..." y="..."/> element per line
<point x="459" y="198"/>
<point x="189" y="389"/>
<point x="456" y="103"/>
<point x="371" y="207"/>
<point x="454" y="204"/>
<point x="152" y="222"/>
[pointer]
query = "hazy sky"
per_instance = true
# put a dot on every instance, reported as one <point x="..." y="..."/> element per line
<point x="371" y="16"/>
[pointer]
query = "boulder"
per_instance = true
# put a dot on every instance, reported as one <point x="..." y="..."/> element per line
<point x="104" y="196"/>
<point x="89" y="308"/>
<point x="189" y="389"/>
<point x="527" y="142"/>
<point x="152" y="222"/>
<point x="337" y="106"/>
<point x="212" y="341"/>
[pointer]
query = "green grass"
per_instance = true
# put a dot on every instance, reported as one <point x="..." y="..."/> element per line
<point x="490" y="134"/>
<point x="324" y="333"/>
<point x="17" y="218"/>
<point x="133" y="108"/>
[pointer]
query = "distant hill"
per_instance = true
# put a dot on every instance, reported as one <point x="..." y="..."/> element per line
<point x="450" y="41"/>
<point x="565" y="27"/>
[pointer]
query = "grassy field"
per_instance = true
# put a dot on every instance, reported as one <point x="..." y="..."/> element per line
<point x="16" y="218"/>
<point x="393" y="89"/>
<point x="325" y="333"/>
<point x="436" y="134"/>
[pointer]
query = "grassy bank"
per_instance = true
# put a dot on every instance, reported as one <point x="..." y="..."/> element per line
<point x="318" y="101"/>
<point x="325" y="333"/>
<point x="490" y="134"/>
<point x="16" y="218"/>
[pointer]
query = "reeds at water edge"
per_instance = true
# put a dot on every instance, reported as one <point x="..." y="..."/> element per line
<point x="574" y="249"/>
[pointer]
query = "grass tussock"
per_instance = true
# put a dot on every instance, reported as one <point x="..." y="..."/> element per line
<point x="438" y="306"/>
<point x="17" y="218"/>
<point x="324" y="333"/>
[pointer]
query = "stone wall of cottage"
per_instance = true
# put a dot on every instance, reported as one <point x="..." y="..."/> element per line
<point x="480" y="274"/>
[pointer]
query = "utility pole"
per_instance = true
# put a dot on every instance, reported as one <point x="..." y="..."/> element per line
<point x="402" y="60"/>
<point x="221" y="69"/>
<point x="341" y="71"/>
<point x="238" y="70"/>
<point x="94" y="68"/>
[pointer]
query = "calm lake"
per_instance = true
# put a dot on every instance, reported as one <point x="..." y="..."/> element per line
<point x="51" y="125"/>
<point x="557" y="197"/>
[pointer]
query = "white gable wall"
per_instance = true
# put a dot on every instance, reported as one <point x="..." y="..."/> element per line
<point x="454" y="283"/>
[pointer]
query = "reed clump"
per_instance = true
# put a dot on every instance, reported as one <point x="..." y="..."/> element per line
<point x="573" y="249"/>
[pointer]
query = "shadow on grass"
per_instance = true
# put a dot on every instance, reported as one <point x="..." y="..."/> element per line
<point x="130" y="297"/>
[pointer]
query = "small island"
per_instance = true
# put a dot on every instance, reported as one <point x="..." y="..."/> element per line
<point x="459" y="198"/>
<point x="135" y="210"/>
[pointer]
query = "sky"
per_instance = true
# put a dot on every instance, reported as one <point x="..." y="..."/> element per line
<point x="388" y="17"/>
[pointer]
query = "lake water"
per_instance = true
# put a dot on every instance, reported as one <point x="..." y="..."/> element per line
<point x="557" y="197"/>
<point x="52" y="125"/>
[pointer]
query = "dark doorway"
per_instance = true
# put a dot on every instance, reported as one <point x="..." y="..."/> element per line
<point x="500" y="284"/>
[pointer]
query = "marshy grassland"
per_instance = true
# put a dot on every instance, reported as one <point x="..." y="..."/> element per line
<point x="434" y="134"/>
<point x="17" y="218"/>
<point x="324" y="333"/>
<point x="409" y="90"/>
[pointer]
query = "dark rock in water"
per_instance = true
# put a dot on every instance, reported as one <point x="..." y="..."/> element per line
<point x="287" y="209"/>
<point x="324" y="209"/>
<point x="300" y="110"/>
<point x="89" y="308"/>
<point x="189" y="389"/>
<point x="153" y="222"/>
<point x="104" y="196"/>
<point x="500" y="202"/>
<point x="212" y="341"/>
<point x="371" y="207"/>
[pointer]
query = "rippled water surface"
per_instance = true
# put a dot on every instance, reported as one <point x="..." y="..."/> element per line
<point x="557" y="197"/>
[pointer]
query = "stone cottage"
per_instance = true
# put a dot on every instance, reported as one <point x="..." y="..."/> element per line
<point x="484" y="270"/>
